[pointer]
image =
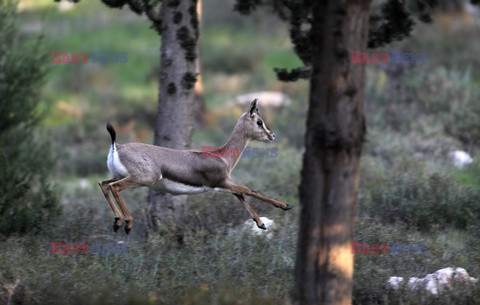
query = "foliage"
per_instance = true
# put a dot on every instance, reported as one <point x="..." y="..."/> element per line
<point x="424" y="200"/>
<point x="455" y="103"/>
<point x="393" y="22"/>
<point x="27" y="198"/>
<point x="154" y="271"/>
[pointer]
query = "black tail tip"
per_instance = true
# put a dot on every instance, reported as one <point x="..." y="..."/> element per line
<point x="111" y="131"/>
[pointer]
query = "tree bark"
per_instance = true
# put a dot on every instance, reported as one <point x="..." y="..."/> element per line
<point x="174" y="122"/>
<point x="334" y="139"/>
<point x="199" y="107"/>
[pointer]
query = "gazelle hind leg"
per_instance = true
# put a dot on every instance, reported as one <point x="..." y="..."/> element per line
<point x="250" y="210"/>
<point x="239" y="189"/>
<point x="104" y="186"/>
<point x="116" y="188"/>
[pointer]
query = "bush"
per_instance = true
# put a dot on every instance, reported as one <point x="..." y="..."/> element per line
<point x="422" y="200"/>
<point x="451" y="97"/>
<point x="27" y="199"/>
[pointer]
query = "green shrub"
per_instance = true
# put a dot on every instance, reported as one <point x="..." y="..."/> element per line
<point x="27" y="198"/>
<point x="452" y="97"/>
<point x="422" y="200"/>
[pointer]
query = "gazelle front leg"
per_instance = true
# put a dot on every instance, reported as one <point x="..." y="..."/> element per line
<point x="118" y="186"/>
<point x="104" y="186"/>
<point x="252" y="212"/>
<point x="239" y="189"/>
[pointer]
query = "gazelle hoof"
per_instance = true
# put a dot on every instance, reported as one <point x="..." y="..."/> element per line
<point x="288" y="207"/>
<point x="127" y="230"/>
<point x="263" y="227"/>
<point x="115" y="227"/>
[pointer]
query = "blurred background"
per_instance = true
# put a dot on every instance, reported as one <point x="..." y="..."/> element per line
<point x="420" y="172"/>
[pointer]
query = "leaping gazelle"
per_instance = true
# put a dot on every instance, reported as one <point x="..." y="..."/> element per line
<point x="183" y="171"/>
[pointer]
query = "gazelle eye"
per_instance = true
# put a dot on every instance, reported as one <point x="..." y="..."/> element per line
<point x="259" y="123"/>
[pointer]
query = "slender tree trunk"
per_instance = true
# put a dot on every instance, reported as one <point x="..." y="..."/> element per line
<point x="174" y="123"/>
<point x="335" y="133"/>
<point x="199" y="107"/>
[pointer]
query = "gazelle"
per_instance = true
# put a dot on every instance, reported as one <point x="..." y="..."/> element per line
<point x="183" y="171"/>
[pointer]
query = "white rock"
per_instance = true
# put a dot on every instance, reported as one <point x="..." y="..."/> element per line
<point x="437" y="281"/>
<point x="414" y="283"/>
<point x="267" y="99"/>
<point x="471" y="9"/>
<point x="460" y="158"/>
<point x="461" y="273"/>
<point x="83" y="183"/>
<point x="444" y="276"/>
<point x="65" y="6"/>
<point x="395" y="281"/>
<point x="431" y="283"/>
<point x="251" y="226"/>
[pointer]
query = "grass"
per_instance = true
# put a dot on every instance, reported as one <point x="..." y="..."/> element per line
<point x="155" y="268"/>
<point x="152" y="268"/>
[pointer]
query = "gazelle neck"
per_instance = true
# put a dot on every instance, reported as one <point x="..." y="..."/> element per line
<point x="236" y="143"/>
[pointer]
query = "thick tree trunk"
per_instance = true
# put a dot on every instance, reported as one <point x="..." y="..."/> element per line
<point x="335" y="133"/>
<point x="174" y="123"/>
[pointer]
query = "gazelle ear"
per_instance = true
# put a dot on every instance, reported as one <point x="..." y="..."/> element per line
<point x="253" y="107"/>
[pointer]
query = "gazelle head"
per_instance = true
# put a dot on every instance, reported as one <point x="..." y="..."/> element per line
<point x="254" y="126"/>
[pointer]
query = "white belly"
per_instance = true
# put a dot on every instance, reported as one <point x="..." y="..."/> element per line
<point x="177" y="188"/>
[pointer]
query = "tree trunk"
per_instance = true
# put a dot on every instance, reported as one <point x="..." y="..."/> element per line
<point x="334" y="137"/>
<point x="174" y="124"/>
<point x="199" y="107"/>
